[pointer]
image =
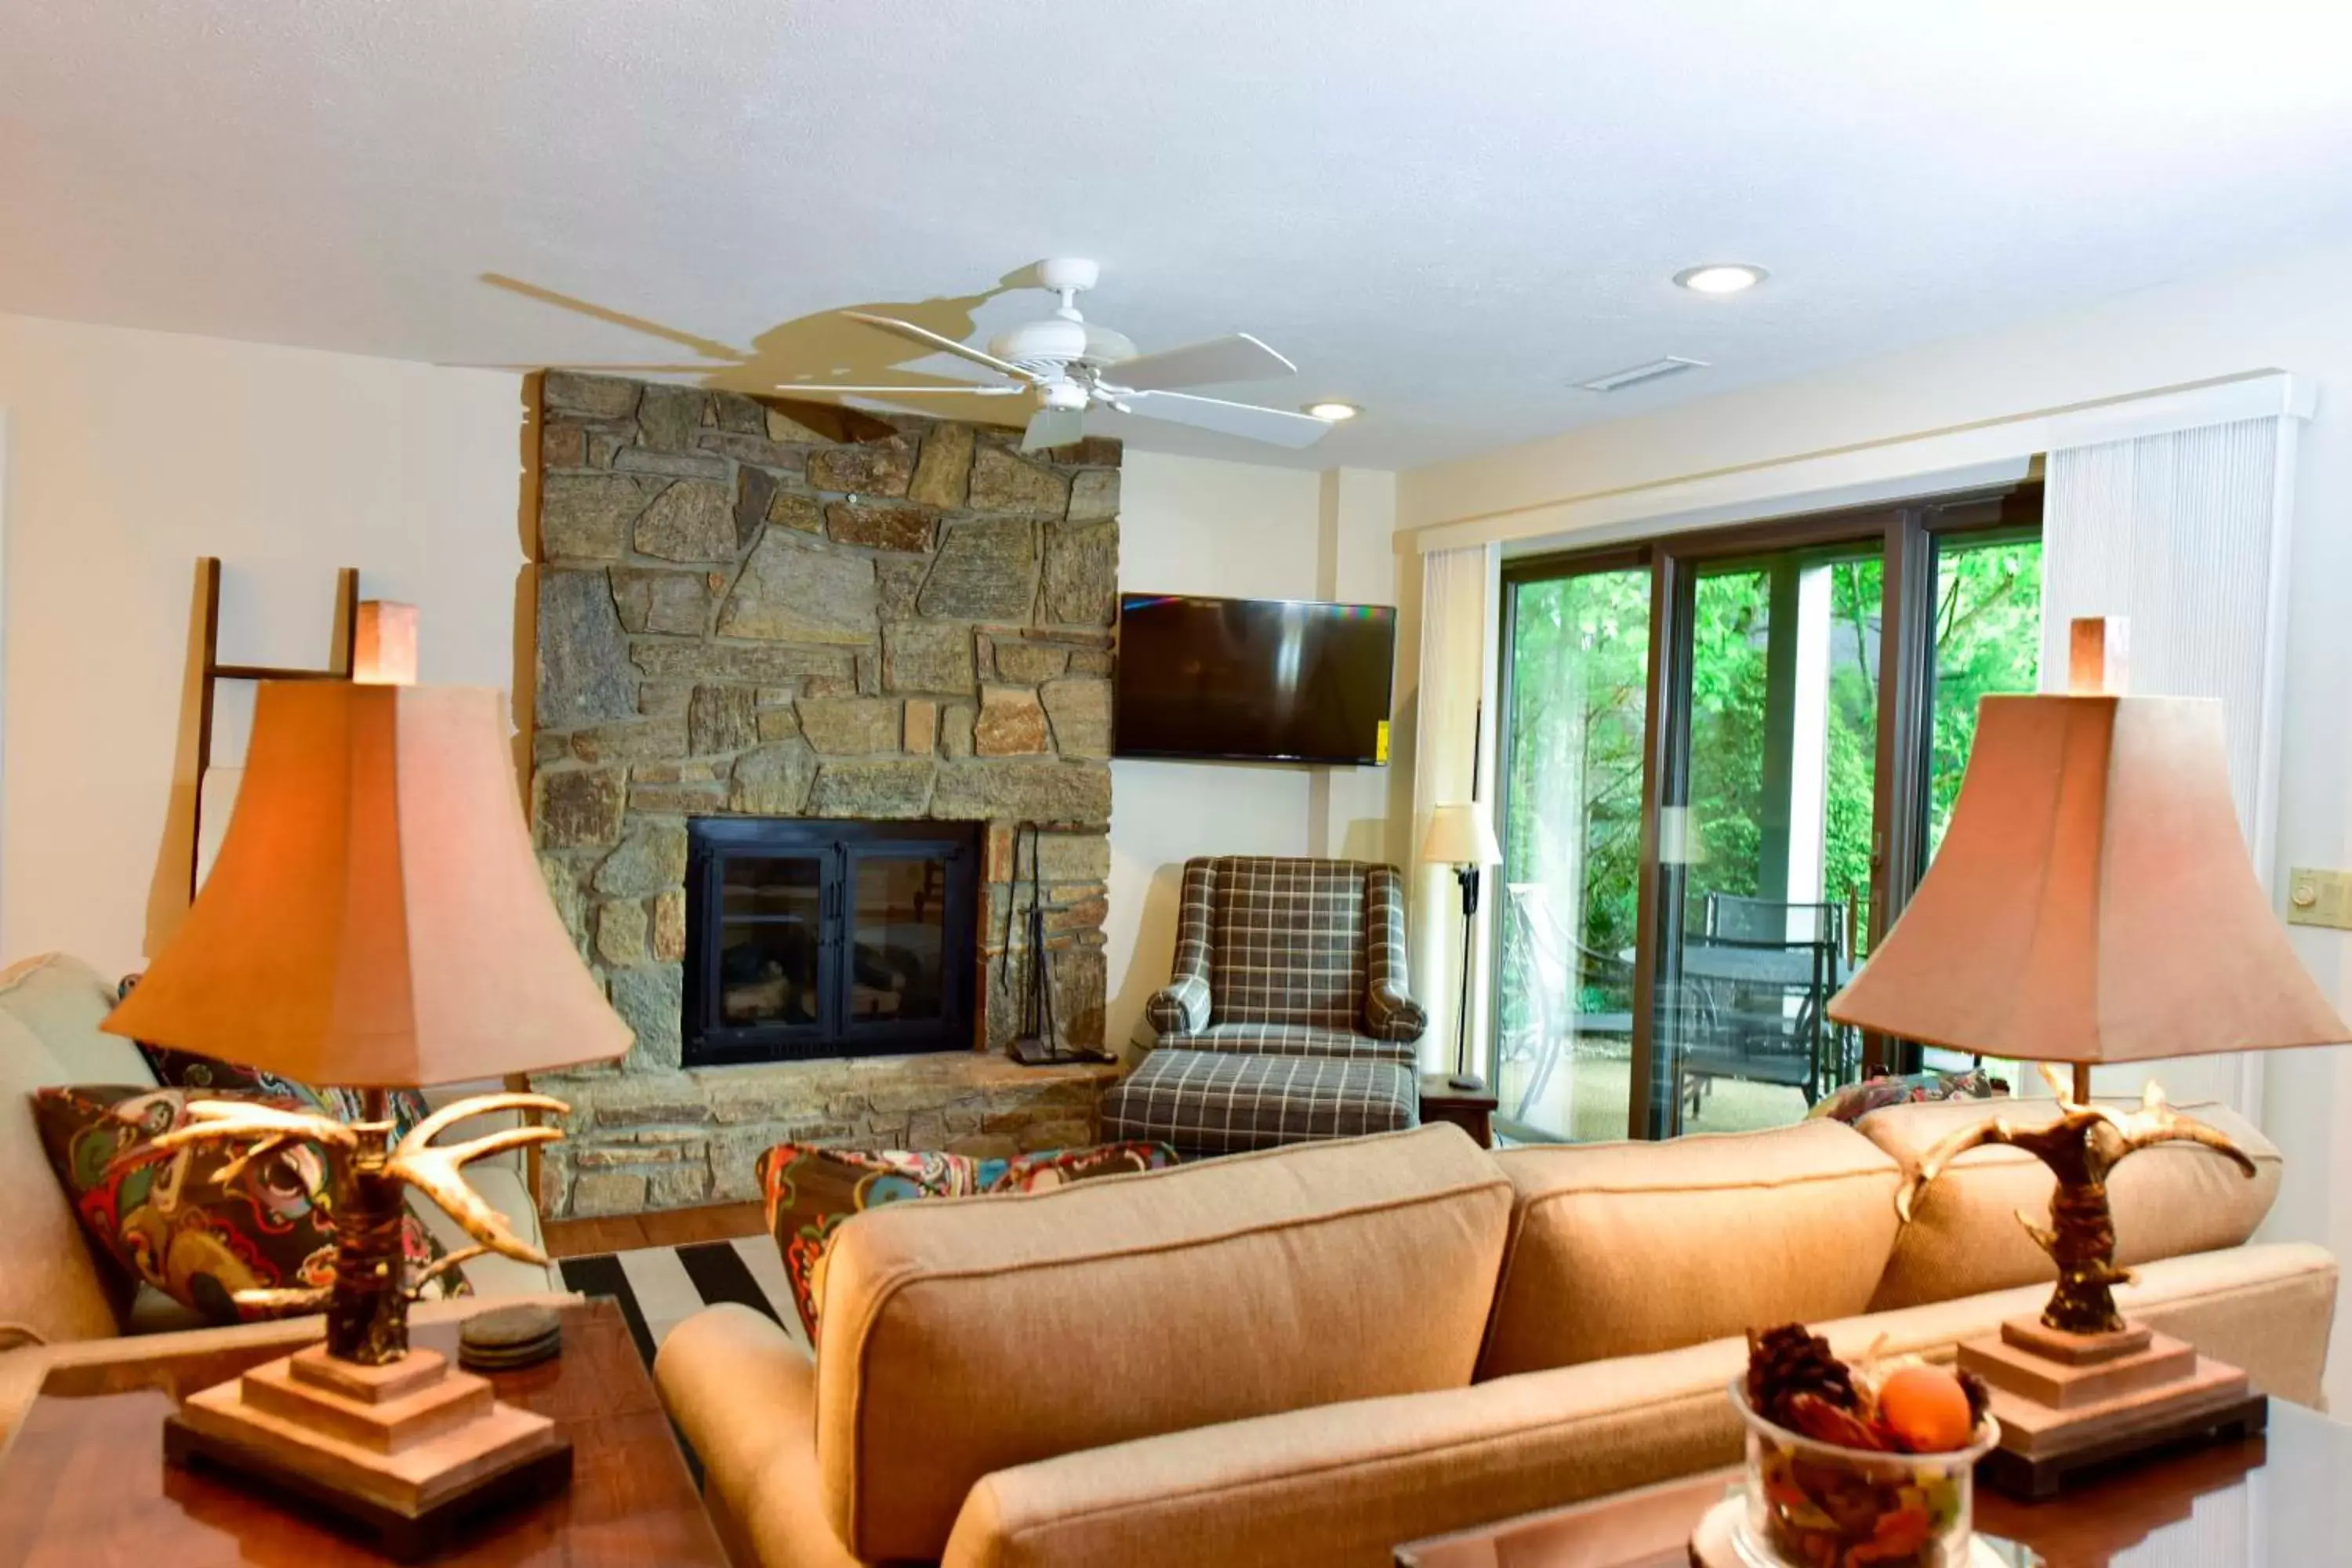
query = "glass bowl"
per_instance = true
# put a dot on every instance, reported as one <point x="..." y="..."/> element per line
<point x="1816" y="1505"/>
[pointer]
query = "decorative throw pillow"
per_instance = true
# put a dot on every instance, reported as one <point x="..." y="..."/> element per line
<point x="170" y="1218"/>
<point x="810" y="1191"/>
<point x="175" y="1068"/>
<point x="1857" y="1100"/>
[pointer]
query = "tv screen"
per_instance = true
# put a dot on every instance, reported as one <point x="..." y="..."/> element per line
<point x="1253" y="680"/>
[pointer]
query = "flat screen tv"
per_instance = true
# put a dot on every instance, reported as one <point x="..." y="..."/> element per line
<point x="1269" y="681"/>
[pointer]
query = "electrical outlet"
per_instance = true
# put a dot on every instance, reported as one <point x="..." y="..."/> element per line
<point x="2319" y="897"/>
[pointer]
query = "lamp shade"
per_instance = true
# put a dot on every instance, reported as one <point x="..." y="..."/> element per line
<point x="1460" y="835"/>
<point x="2092" y="901"/>
<point x="376" y="916"/>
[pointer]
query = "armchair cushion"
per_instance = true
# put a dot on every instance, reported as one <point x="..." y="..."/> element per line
<point x="1219" y="1103"/>
<point x="1290" y="1040"/>
<point x="1286" y="941"/>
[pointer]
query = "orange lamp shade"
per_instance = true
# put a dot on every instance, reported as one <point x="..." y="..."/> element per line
<point x="376" y="916"/>
<point x="2092" y="901"/>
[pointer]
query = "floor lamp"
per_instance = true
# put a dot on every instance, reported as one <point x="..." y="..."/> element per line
<point x="1460" y="836"/>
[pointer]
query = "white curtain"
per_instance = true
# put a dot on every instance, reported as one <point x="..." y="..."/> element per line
<point x="1454" y="751"/>
<point x="2185" y="535"/>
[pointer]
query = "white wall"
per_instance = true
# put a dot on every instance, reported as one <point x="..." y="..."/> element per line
<point x="1187" y="525"/>
<point x="2290" y="314"/>
<point x="130" y="454"/>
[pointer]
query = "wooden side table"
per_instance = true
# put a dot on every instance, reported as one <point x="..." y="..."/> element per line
<point x="1471" y="1110"/>
<point x="84" y="1479"/>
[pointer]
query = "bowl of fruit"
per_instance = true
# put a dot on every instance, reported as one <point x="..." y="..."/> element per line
<point x="1861" y="1466"/>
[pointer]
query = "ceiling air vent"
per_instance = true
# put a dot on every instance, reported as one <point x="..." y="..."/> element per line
<point x="1632" y="375"/>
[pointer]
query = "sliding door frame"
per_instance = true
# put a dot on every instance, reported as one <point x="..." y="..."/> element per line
<point x="1907" y="536"/>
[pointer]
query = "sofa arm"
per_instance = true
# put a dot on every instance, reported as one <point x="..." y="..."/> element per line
<point x="1179" y="1009"/>
<point x="1389" y="1011"/>
<point x="744" y="1395"/>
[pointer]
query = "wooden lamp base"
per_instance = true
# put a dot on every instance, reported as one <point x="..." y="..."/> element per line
<point x="406" y="1451"/>
<point x="2067" y="1402"/>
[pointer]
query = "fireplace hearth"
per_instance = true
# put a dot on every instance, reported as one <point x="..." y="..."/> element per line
<point x="808" y="938"/>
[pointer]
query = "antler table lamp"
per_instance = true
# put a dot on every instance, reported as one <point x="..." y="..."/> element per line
<point x="376" y="918"/>
<point x="2093" y="902"/>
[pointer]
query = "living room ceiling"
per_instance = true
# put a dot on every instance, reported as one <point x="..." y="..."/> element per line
<point x="1449" y="215"/>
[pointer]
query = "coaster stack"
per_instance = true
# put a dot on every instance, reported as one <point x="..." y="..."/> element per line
<point x="509" y="1338"/>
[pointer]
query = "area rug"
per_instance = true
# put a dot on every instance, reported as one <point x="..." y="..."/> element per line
<point x="658" y="1288"/>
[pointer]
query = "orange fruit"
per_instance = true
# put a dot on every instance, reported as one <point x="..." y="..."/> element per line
<point x="1928" y="1408"/>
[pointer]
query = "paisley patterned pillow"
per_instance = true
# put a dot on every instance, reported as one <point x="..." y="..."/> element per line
<point x="810" y="1191"/>
<point x="175" y="1068"/>
<point x="181" y="1220"/>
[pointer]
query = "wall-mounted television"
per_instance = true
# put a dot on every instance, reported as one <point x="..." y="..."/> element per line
<point x="1267" y="680"/>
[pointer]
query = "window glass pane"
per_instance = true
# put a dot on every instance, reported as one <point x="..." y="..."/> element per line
<point x="899" y="939"/>
<point x="1765" y="862"/>
<point x="768" y="941"/>
<point x="1988" y="643"/>
<point x="1573" y="744"/>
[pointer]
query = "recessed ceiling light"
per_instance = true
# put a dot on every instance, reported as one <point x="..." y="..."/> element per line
<point x="1720" y="278"/>
<point x="1333" y="411"/>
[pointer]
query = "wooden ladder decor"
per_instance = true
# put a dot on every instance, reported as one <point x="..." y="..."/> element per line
<point x="340" y="660"/>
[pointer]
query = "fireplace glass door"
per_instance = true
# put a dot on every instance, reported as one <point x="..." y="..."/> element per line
<point x="816" y="939"/>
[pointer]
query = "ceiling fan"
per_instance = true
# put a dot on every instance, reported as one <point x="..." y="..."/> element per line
<point x="1066" y="365"/>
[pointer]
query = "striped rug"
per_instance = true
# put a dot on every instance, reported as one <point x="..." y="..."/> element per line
<point x="659" y="1287"/>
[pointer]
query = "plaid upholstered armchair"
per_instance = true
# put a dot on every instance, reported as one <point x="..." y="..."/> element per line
<point x="1287" y="1017"/>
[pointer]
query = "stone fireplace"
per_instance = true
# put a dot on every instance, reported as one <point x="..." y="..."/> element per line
<point x="742" y="616"/>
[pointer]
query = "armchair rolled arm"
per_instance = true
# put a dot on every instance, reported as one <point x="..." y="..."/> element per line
<point x="1182" y="1006"/>
<point x="1391" y="1014"/>
<point x="1180" y="1009"/>
<point x="1389" y="1011"/>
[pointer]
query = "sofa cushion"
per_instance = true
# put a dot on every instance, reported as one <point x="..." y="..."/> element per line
<point x="50" y="1278"/>
<point x="1624" y="1249"/>
<point x="963" y="1335"/>
<point x="1341" y="1484"/>
<point x="1964" y="1236"/>
<point x="170" y="1220"/>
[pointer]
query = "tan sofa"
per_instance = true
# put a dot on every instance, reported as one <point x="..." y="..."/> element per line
<point x="1310" y="1354"/>
<point x="57" y="1300"/>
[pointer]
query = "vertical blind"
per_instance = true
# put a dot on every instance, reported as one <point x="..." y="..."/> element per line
<point x="1453" y="746"/>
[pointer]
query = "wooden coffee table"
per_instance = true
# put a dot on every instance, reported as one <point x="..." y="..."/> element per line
<point x="83" y="1479"/>
<point x="2288" y="1495"/>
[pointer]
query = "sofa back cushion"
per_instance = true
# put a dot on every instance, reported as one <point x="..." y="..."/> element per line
<point x="1286" y="941"/>
<point x="1964" y="1236"/>
<point x="50" y="1280"/>
<point x="963" y="1335"/>
<point x="1625" y="1248"/>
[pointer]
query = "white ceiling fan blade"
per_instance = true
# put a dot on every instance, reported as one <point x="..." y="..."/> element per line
<point x="1053" y="428"/>
<point x="1240" y="357"/>
<point x="975" y="389"/>
<point x="945" y="345"/>
<point x="1247" y="420"/>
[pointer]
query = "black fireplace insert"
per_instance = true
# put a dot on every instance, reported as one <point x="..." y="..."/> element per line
<point x="808" y="938"/>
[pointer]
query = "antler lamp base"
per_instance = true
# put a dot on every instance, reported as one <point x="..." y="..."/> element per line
<point x="2067" y="1402"/>
<point x="405" y="1449"/>
<point x="389" y="1438"/>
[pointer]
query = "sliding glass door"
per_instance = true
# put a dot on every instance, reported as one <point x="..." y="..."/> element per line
<point x="1766" y="808"/>
<point x="1569" y="903"/>
<point x="1726" y="760"/>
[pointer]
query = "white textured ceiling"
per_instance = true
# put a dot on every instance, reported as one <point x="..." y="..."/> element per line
<point x="1448" y="212"/>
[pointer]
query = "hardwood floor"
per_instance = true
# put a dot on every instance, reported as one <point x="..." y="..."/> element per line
<point x="666" y="1228"/>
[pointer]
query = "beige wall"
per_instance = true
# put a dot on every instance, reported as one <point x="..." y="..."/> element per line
<point x="2290" y="313"/>
<point x="128" y="455"/>
<point x="1240" y="531"/>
